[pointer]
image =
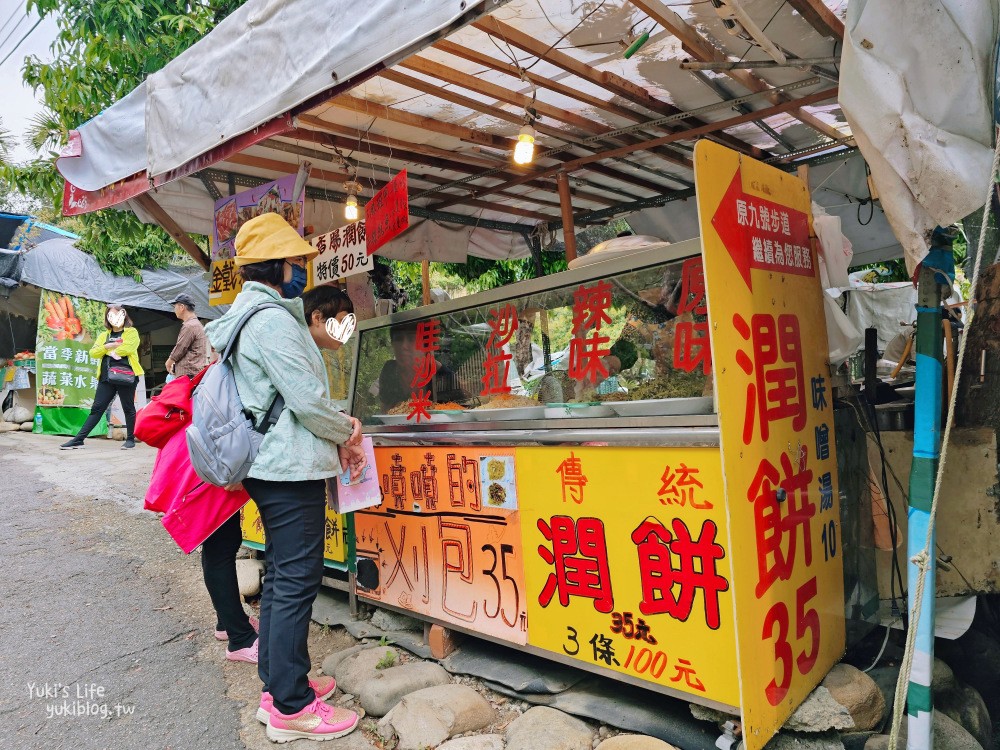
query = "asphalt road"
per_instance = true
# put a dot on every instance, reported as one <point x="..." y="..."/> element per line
<point x="107" y="631"/>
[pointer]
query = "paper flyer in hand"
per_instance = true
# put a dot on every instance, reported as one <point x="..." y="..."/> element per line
<point x="365" y="492"/>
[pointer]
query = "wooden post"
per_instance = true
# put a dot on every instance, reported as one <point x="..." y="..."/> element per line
<point x="566" y="204"/>
<point x="425" y="280"/>
<point x="166" y="221"/>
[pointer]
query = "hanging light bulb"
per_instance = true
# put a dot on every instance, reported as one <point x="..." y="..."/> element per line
<point x="524" y="151"/>
<point x="353" y="189"/>
<point x="351" y="208"/>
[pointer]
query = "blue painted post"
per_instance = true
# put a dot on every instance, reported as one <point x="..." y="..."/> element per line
<point x="923" y="473"/>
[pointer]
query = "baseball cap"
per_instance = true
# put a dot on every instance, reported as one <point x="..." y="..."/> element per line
<point x="183" y="299"/>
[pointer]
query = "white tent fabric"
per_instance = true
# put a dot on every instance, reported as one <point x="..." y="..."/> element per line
<point x="221" y="87"/>
<point x="116" y="139"/>
<point x="916" y="89"/>
<point x="61" y="267"/>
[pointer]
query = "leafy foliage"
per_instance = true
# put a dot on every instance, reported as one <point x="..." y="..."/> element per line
<point x="104" y="49"/>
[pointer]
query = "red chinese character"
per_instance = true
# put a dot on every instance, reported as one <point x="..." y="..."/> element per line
<point x="428" y="335"/>
<point x="585" y="355"/>
<point x="778" y="390"/>
<point x="679" y="488"/>
<point x="692" y="347"/>
<point x="424" y="370"/>
<point x="777" y="520"/>
<point x="573" y="479"/>
<point x="590" y="307"/>
<point x="419" y="404"/>
<point x="693" y="288"/>
<point x="696" y="570"/>
<point x="503" y="325"/>
<point x="579" y="555"/>
<point x="684" y="671"/>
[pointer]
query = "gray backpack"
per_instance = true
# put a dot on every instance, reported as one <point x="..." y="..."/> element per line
<point x="222" y="439"/>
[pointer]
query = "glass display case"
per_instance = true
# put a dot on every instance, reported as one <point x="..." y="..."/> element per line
<point x="623" y="341"/>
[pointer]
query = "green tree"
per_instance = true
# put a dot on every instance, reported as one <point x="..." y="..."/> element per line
<point x="103" y="50"/>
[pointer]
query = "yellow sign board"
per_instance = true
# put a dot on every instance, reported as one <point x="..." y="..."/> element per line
<point x="225" y="284"/>
<point x="769" y="349"/>
<point x="627" y="566"/>
<point x="334" y="548"/>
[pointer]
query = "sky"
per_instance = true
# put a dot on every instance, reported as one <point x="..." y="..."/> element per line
<point x="18" y="103"/>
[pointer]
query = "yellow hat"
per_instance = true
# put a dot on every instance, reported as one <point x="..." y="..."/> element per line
<point x="269" y="237"/>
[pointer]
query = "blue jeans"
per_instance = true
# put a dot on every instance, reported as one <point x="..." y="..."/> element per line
<point x="294" y="518"/>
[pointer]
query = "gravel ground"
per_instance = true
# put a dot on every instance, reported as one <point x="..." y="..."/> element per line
<point x="107" y="626"/>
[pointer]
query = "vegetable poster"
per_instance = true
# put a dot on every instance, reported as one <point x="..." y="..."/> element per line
<point x="67" y="328"/>
<point x="232" y="212"/>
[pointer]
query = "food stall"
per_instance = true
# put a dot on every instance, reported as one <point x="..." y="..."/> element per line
<point x="628" y="466"/>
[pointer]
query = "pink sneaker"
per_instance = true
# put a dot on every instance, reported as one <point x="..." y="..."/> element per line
<point x="222" y="635"/>
<point x="317" y="721"/>
<point x="324" y="687"/>
<point x="248" y="654"/>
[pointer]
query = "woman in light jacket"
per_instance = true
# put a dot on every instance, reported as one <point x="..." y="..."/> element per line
<point x="311" y="442"/>
<point x="118" y="371"/>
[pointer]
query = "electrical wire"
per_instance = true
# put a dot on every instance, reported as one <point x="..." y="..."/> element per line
<point x="13" y="30"/>
<point x="557" y="41"/>
<point x="885" y="642"/>
<point x="10" y="17"/>
<point x="21" y="41"/>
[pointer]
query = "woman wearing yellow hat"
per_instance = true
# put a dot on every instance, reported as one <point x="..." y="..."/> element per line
<point x="311" y="442"/>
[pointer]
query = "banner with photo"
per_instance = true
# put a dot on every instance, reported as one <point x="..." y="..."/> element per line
<point x="232" y="212"/>
<point x="66" y="374"/>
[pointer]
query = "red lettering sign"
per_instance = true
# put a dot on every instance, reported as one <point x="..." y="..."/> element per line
<point x="387" y="214"/>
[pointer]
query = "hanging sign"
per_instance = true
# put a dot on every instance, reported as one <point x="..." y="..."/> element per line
<point x="387" y="213"/>
<point x="770" y="357"/>
<point x="342" y="253"/>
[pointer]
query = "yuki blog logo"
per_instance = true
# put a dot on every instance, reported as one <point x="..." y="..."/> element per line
<point x="341" y="330"/>
<point x="76" y="700"/>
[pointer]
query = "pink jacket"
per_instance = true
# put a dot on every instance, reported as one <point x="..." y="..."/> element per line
<point x="193" y="509"/>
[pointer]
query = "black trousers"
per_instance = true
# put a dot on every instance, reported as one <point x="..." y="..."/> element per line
<point x="106" y="393"/>
<point x="218" y="565"/>
<point x="294" y="515"/>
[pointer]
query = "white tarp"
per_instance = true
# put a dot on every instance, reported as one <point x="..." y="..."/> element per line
<point x="113" y="145"/>
<point x="271" y="55"/>
<point x="916" y="87"/>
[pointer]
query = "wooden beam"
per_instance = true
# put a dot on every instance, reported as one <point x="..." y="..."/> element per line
<point x="503" y="94"/>
<point x="273" y="165"/>
<point x="569" y="237"/>
<point x="371" y="149"/>
<point x="673" y="137"/>
<point x="479" y="137"/>
<point x="170" y="226"/>
<point x="607" y="80"/>
<point x="702" y="50"/>
<point x="820" y="17"/>
<point x="475" y="105"/>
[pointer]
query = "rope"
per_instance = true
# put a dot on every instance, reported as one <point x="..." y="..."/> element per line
<point x="923" y="558"/>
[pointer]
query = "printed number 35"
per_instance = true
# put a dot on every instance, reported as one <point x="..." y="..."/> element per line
<point x="806" y="622"/>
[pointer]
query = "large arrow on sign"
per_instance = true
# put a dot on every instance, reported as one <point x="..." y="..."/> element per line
<point x="733" y="235"/>
<point x="762" y="234"/>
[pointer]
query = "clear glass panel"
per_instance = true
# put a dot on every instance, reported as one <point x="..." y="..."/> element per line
<point x="637" y="336"/>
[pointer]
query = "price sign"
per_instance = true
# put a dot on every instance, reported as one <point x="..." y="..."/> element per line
<point x="341" y="253"/>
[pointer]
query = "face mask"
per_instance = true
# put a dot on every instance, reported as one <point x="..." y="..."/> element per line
<point x="296" y="286"/>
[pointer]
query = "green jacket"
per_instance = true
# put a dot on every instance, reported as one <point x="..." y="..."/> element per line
<point x="276" y="354"/>
<point x="128" y="348"/>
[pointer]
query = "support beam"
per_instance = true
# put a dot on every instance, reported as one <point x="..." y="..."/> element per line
<point x="569" y="237"/>
<point x="702" y="50"/>
<point x="820" y="17"/>
<point x="692" y="134"/>
<point x="170" y="226"/>
<point x="475" y="105"/>
<point x="614" y="83"/>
